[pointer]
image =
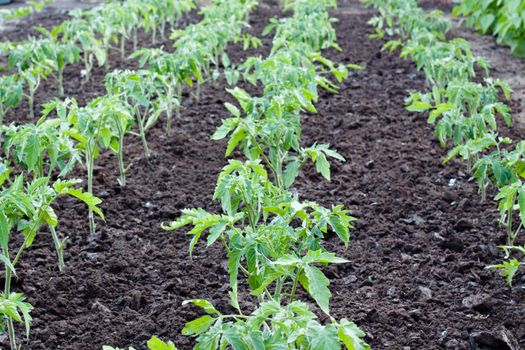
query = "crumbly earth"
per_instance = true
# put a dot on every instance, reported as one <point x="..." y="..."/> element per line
<point x="416" y="277"/>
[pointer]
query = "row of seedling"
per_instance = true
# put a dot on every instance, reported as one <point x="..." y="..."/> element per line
<point x="274" y="241"/>
<point x="45" y="153"/>
<point x="88" y="37"/>
<point x="464" y="107"/>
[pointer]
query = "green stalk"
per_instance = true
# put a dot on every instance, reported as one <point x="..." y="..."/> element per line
<point x="162" y="30"/>
<point x="59" y="248"/>
<point x="7" y="292"/>
<point x="90" y="162"/>
<point x="279" y="173"/>
<point x="169" y="111"/>
<point x="179" y="98"/>
<point x="143" y="134"/>
<point x="106" y="63"/>
<point x="2" y="112"/>
<point x="60" y="82"/>
<point x="123" y="47"/>
<point x="154" y="36"/>
<point x="135" y="39"/>
<point x="122" y="169"/>
<point x="87" y="65"/>
<point x="294" y="288"/>
<point x="278" y="289"/>
<point x="198" y="91"/>
<point x="31" y="100"/>
<point x="510" y="239"/>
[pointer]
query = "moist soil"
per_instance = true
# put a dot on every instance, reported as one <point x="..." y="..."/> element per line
<point x="416" y="277"/>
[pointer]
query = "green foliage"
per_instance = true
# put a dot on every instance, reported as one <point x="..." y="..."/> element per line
<point x="142" y="92"/>
<point x="272" y="325"/>
<point x="11" y="93"/>
<point x="41" y="148"/>
<point x="464" y="111"/>
<point x="24" y="209"/>
<point x="272" y="238"/>
<point x="504" y="19"/>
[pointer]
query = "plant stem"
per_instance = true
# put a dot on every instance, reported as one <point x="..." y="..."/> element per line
<point x="2" y="112"/>
<point x="294" y="288"/>
<point x="510" y="240"/>
<point x="169" y="111"/>
<point x="122" y="169"/>
<point x="59" y="248"/>
<point x="278" y="289"/>
<point x="31" y="102"/>
<point x="123" y="47"/>
<point x="87" y="65"/>
<point x="7" y="292"/>
<point x="143" y="134"/>
<point x="198" y="91"/>
<point x="162" y="30"/>
<point x="179" y="105"/>
<point x="60" y="82"/>
<point x="89" y="162"/>
<point x="135" y="39"/>
<point x="154" y="36"/>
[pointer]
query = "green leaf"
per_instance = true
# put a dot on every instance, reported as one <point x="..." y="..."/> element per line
<point x="235" y="339"/>
<point x="232" y="109"/>
<point x="318" y="285"/>
<point x="291" y="172"/>
<point x="322" y="166"/>
<point x="340" y="230"/>
<point x="156" y="344"/>
<point x="319" y="256"/>
<point x="419" y="106"/>
<point x="90" y="200"/>
<point x="204" y="304"/>
<point x="237" y="136"/>
<point x="198" y="326"/>
<point x="322" y="337"/>
<point x="508" y="269"/>
<point x="351" y="336"/>
<point x="8" y="263"/>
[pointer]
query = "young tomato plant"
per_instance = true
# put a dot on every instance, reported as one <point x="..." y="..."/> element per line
<point x="59" y="55"/>
<point x="91" y="128"/>
<point x="510" y="266"/>
<point x="141" y="90"/>
<point x="25" y="209"/>
<point x="11" y="93"/>
<point x="274" y="326"/>
<point x="271" y="130"/>
<point x="272" y="238"/>
<point x="41" y="148"/>
<point x="173" y="77"/>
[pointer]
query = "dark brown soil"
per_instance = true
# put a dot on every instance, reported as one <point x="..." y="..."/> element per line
<point x="417" y="277"/>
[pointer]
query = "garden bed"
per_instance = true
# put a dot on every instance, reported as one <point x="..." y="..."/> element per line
<point x="416" y="277"/>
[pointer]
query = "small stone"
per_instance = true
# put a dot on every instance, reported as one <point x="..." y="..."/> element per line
<point x="477" y="302"/>
<point x="349" y="279"/>
<point x="391" y="291"/>
<point x="370" y="164"/>
<point x="425" y="293"/>
<point x="413" y="219"/>
<point x="452" y="344"/>
<point x="354" y="124"/>
<point x="92" y="256"/>
<point x="405" y="257"/>
<point x="404" y="168"/>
